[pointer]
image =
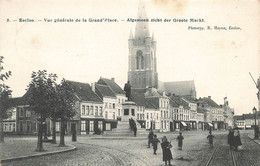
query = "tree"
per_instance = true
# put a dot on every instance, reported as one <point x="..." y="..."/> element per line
<point x="65" y="106"/>
<point x="41" y="94"/>
<point x="5" y="92"/>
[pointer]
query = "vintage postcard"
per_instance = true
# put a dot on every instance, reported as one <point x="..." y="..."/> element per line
<point x="171" y="75"/>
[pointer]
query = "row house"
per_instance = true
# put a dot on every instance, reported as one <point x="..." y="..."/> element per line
<point x="118" y="92"/>
<point x="26" y="120"/>
<point x="181" y="113"/>
<point x="145" y="111"/>
<point x="9" y="124"/>
<point x="247" y="121"/>
<point x="240" y="122"/>
<point x="89" y="107"/>
<point x="109" y="104"/>
<point x="193" y="112"/>
<point x="201" y="112"/>
<point x="162" y="104"/>
<point x="214" y="115"/>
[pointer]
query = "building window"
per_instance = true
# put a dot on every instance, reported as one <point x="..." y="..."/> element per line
<point x="96" y="110"/>
<point x="100" y="125"/>
<point x="91" y="110"/>
<point x="110" y="105"/>
<point x="114" y="115"/>
<point x="133" y="112"/>
<point x="161" y="114"/>
<point x="151" y="116"/>
<point x="83" y="110"/>
<point x="57" y="126"/>
<point x="28" y="126"/>
<point x="21" y="112"/>
<point x="138" y="116"/>
<point x="147" y="125"/>
<point x="83" y="125"/>
<point x="28" y="113"/>
<point x="91" y="125"/>
<point x="147" y="116"/>
<point x="114" y="105"/>
<point x="100" y="111"/>
<point x="87" y="110"/>
<point x="21" y="125"/>
<point x="157" y="116"/>
<point x="126" y="111"/>
<point x="106" y="114"/>
<point x="118" y="112"/>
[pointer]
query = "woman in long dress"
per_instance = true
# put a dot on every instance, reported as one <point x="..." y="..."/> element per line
<point x="167" y="154"/>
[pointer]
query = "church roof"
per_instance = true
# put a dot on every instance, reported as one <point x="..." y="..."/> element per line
<point x="112" y="84"/>
<point x="84" y="92"/>
<point x="104" y="91"/>
<point x="183" y="88"/>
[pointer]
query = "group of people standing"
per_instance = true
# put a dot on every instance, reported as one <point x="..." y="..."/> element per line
<point x="166" y="145"/>
<point x="234" y="140"/>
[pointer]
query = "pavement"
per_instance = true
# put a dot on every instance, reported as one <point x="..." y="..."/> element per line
<point x="110" y="151"/>
<point x="251" y="136"/>
<point x="23" y="147"/>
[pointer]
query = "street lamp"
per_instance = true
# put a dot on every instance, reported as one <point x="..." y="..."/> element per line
<point x="256" y="132"/>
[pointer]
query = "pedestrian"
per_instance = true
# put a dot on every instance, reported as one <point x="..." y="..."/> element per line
<point x="237" y="140"/>
<point x="150" y="138"/>
<point x="231" y="139"/>
<point x="155" y="143"/>
<point x="210" y="137"/>
<point x="135" y="130"/>
<point x="180" y="138"/>
<point x="166" y="148"/>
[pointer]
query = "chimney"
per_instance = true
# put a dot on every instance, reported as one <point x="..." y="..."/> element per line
<point x="113" y="79"/>
<point x="209" y="97"/>
<point x="93" y="84"/>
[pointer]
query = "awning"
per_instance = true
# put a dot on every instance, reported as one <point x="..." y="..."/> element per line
<point x="183" y="123"/>
<point x="210" y="124"/>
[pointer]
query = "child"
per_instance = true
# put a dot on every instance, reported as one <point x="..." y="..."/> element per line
<point x="150" y="138"/>
<point x="166" y="148"/>
<point x="180" y="138"/>
<point x="155" y="142"/>
<point x="210" y="137"/>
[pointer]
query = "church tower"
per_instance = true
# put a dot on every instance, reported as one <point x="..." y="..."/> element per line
<point x="142" y="66"/>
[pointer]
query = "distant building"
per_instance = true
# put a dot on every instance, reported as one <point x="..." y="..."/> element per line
<point x="240" y="121"/>
<point x="118" y="92"/>
<point x="179" y="88"/>
<point x="228" y="114"/>
<point x="214" y="114"/>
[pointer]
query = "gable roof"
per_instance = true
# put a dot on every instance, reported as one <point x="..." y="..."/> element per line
<point x="84" y="92"/>
<point x="238" y="117"/>
<point x="182" y="88"/>
<point x="140" y="100"/>
<point x="207" y="101"/>
<point x="112" y="84"/>
<point x="201" y="109"/>
<point x="104" y="91"/>
<point x="179" y="101"/>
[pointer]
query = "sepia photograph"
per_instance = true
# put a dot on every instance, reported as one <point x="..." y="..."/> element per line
<point x="129" y="83"/>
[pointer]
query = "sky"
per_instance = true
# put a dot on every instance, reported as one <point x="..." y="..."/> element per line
<point x="219" y="61"/>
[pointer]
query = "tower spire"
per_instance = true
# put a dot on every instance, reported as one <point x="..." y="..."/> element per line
<point x="142" y="27"/>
